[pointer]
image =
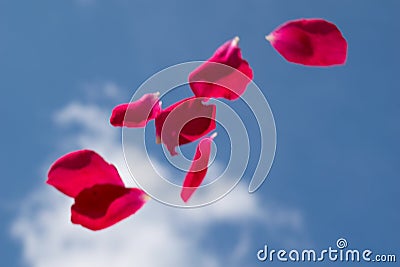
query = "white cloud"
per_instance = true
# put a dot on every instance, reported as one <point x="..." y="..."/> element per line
<point x="95" y="90"/>
<point x="156" y="236"/>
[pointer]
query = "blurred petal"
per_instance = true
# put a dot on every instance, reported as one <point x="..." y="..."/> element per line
<point x="226" y="74"/>
<point x="81" y="169"/>
<point x="198" y="169"/>
<point x="138" y="113"/>
<point x="184" y="122"/>
<point x="312" y="42"/>
<point x="103" y="205"/>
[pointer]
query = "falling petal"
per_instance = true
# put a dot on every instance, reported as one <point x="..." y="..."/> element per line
<point x="79" y="170"/>
<point x="226" y="74"/>
<point x="198" y="169"/>
<point x="184" y="122"/>
<point x="104" y="205"/>
<point x="136" y="114"/>
<point x="311" y="42"/>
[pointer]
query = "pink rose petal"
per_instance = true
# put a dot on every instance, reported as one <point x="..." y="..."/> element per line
<point x="81" y="169"/>
<point x="184" y="122"/>
<point x="311" y="42"/>
<point x="104" y="205"/>
<point x="198" y="169"/>
<point x="228" y="79"/>
<point x="136" y="114"/>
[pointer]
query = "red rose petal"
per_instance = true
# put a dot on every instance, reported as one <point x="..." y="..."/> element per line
<point x="184" y="122"/>
<point x="136" y="114"/>
<point x="198" y="169"/>
<point x="311" y="42"/>
<point x="103" y="205"/>
<point x="81" y="169"/>
<point x="213" y="80"/>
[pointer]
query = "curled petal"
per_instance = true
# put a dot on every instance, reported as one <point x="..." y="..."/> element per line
<point x="198" y="169"/>
<point x="79" y="170"/>
<point x="136" y="114"/>
<point x="184" y="122"/>
<point x="311" y="42"/>
<point x="104" y="205"/>
<point x="226" y="74"/>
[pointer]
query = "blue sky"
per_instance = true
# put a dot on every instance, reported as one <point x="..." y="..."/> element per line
<point x="336" y="165"/>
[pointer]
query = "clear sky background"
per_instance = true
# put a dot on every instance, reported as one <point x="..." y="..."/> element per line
<point x="65" y="64"/>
